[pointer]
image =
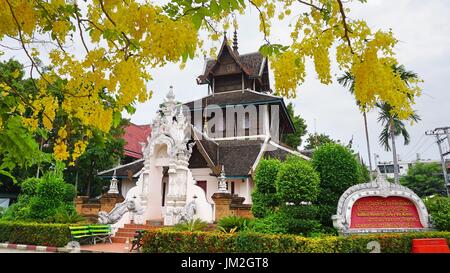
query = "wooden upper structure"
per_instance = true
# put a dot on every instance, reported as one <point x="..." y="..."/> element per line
<point x="232" y="71"/>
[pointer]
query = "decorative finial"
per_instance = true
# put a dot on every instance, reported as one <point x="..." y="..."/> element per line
<point x="170" y="96"/>
<point x="169" y="102"/>
<point x="235" y="42"/>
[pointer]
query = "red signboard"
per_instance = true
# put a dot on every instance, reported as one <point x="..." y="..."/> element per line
<point x="379" y="213"/>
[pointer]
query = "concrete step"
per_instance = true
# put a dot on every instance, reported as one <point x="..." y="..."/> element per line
<point x="120" y="240"/>
<point x="157" y="222"/>
<point x="127" y="230"/>
<point x="124" y="234"/>
<point x="134" y="226"/>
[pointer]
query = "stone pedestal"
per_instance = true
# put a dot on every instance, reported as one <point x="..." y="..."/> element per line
<point x="223" y="202"/>
<point x="79" y="201"/>
<point x="227" y="204"/>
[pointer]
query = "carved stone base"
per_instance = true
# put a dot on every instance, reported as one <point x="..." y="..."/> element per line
<point x="228" y="205"/>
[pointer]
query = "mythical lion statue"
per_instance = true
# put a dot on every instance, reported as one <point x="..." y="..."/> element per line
<point x="188" y="212"/>
<point x="117" y="212"/>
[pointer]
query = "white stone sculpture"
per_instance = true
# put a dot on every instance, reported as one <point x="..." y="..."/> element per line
<point x="188" y="212"/>
<point x="119" y="210"/>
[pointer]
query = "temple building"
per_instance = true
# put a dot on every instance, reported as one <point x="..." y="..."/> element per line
<point x="229" y="131"/>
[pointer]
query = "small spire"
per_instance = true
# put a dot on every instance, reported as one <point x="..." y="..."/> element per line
<point x="235" y="42"/>
<point x="170" y="96"/>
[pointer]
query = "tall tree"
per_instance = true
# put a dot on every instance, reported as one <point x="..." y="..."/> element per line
<point x="392" y="127"/>
<point x="347" y="80"/>
<point x="18" y="147"/>
<point x="393" y="124"/>
<point x="425" y="179"/>
<point x="314" y="141"/>
<point x="294" y="140"/>
<point x="103" y="152"/>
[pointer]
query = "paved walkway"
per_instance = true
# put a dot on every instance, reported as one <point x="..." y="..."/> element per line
<point x="106" y="248"/>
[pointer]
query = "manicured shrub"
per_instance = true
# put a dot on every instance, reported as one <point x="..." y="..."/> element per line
<point x="34" y="233"/>
<point x="265" y="175"/>
<point x="439" y="209"/>
<point x="234" y="223"/>
<point x="169" y="241"/>
<point x="46" y="199"/>
<point x="264" y="197"/>
<point x="271" y="224"/>
<point x="263" y="204"/>
<point x="28" y="186"/>
<point x="299" y="219"/>
<point x="338" y="169"/>
<point x="364" y="172"/>
<point x="297" y="182"/>
<point x="166" y="241"/>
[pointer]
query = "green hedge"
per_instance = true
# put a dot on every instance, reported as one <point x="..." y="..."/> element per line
<point x="34" y="233"/>
<point x="164" y="241"/>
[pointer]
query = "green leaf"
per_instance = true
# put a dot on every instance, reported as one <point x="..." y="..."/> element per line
<point x="117" y="118"/>
<point x="225" y="4"/>
<point x="214" y="7"/>
<point x="197" y="19"/>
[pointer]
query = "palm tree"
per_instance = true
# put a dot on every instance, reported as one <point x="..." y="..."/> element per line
<point x="348" y="81"/>
<point x="393" y="126"/>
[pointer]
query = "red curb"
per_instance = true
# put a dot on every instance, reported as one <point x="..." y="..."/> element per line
<point x="30" y="247"/>
<point x="33" y="247"/>
<point x="51" y="249"/>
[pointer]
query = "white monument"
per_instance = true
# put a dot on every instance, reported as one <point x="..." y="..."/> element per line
<point x="169" y="146"/>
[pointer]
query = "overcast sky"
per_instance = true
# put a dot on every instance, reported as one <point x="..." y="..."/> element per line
<point x="423" y="28"/>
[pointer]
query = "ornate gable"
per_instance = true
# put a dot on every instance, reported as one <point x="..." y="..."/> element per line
<point x="232" y="71"/>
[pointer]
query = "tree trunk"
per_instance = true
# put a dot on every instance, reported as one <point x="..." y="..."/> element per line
<point x="76" y="183"/>
<point x="368" y="144"/>
<point x="39" y="164"/>
<point x="88" y="190"/>
<point x="394" y="151"/>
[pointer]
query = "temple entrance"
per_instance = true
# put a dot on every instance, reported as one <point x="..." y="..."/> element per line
<point x="165" y="191"/>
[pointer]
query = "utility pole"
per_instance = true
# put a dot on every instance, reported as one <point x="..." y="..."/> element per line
<point x="441" y="135"/>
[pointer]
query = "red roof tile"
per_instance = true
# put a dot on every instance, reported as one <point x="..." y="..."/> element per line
<point x="135" y="134"/>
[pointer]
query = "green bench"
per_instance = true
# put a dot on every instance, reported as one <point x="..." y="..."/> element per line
<point x="100" y="232"/>
<point x="91" y="233"/>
